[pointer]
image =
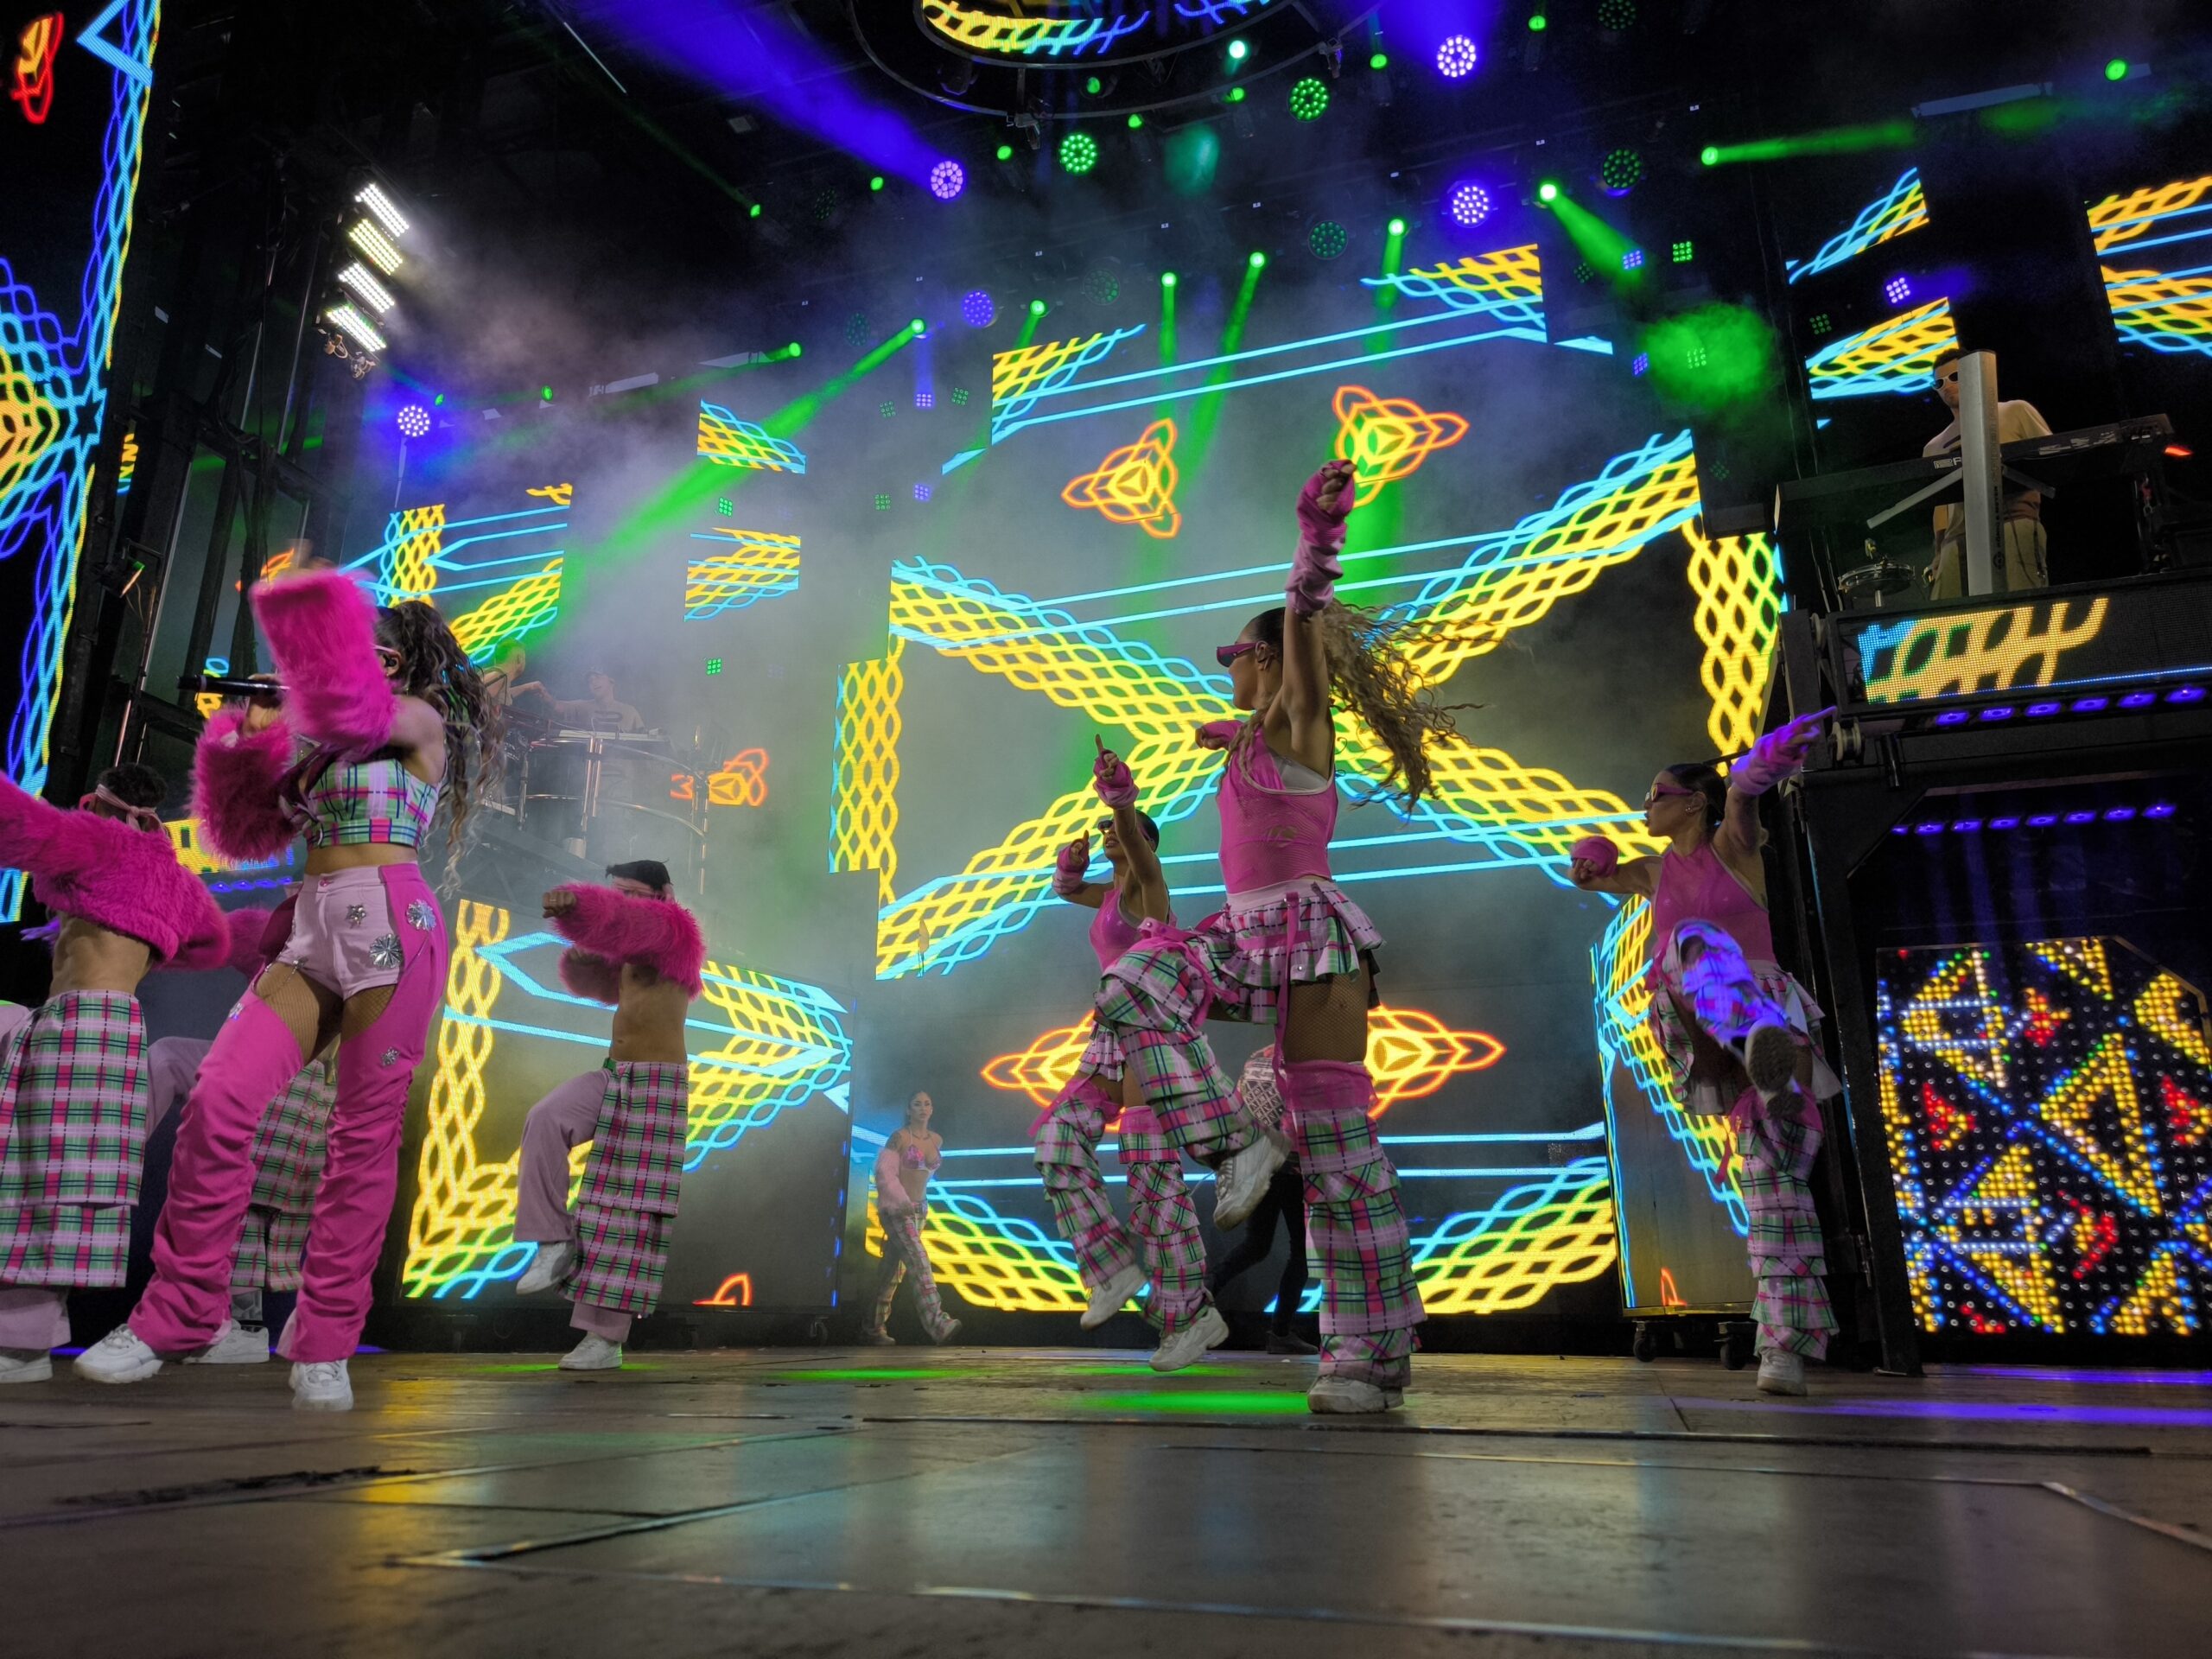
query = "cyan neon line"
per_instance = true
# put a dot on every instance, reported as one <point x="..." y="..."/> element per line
<point x="1213" y="390"/>
<point x="1587" y="1132"/>
<point x="710" y="1062"/>
<point x="1532" y="1170"/>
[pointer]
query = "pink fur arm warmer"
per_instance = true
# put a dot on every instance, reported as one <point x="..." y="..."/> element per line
<point x="33" y="835"/>
<point x="586" y="975"/>
<point x="323" y="632"/>
<point x="1599" y="852"/>
<point x="658" y="933"/>
<point x="234" y="783"/>
<point x="1316" y="569"/>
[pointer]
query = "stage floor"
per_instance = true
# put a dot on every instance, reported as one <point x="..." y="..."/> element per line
<point x="1070" y="1504"/>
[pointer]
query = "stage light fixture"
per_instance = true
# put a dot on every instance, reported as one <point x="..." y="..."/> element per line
<point x="925" y="400"/>
<point x="977" y="309"/>
<point x="1710" y="154"/>
<point x="1897" y="289"/>
<point x="1236" y="95"/>
<point x="1258" y="260"/>
<point x="2116" y="70"/>
<point x="1621" y="171"/>
<point x="754" y="211"/>
<point x="918" y="328"/>
<point x="372" y="197"/>
<point x="1309" y="100"/>
<point x="355" y="326"/>
<point x="1238" y="51"/>
<point x="882" y="503"/>
<point x="1136" y="121"/>
<point x="1327" y="239"/>
<point x="1641" y="364"/>
<point x="1378" y="60"/>
<point x="1467" y="203"/>
<point x="1094" y="86"/>
<point x="1036" y="308"/>
<point x="370" y="292"/>
<point x="921" y="492"/>
<point x="1078" y="152"/>
<point x="1395" y="227"/>
<point x="1684" y="251"/>
<point x="1548" y="191"/>
<point x="1632" y="260"/>
<point x="1616" y="16"/>
<point x="875" y="183"/>
<point x="375" y="244"/>
<point x="1101" y="287"/>
<point x="714" y="665"/>
<point x="1457" y="57"/>
<point x="794" y="349"/>
<point x="1168" y="279"/>
<point x="545" y="394"/>
<point x="947" y="179"/>
<point x="1537" y="22"/>
<point x="413" y="421"/>
<point x="1006" y="152"/>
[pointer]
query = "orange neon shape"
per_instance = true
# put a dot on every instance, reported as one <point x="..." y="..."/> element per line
<point x="736" y="1292"/>
<point x="1410" y="1053"/>
<point x="1388" y="438"/>
<point x="36" y="49"/>
<point x="1668" y="1296"/>
<point x="1135" y="484"/>
<point x="741" y="780"/>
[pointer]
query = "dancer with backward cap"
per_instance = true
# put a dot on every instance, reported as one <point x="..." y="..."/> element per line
<point x="1291" y="949"/>
<point x="1067" y="1133"/>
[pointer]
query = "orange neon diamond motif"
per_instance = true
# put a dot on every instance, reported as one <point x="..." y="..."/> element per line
<point x="1135" y="484"/>
<point x="1388" y="438"/>
<point x="1410" y="1051"/>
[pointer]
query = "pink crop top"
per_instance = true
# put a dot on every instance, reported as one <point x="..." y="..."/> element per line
<point x="1111" y="933"/>
<point x="367" y="803"/>
<point x="1270" y="834"/>
<point x="1701" y="887"/>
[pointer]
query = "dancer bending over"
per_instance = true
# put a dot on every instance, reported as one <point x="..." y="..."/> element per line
<point x="1739" y="1031"/>
<point x="635" y="947"/>
<point x="391" y="708"/>
<point x="288" y="1150"/>
<point x="1290" y="948"/>
<point x="903" y="1169"/>
<point x="72" y="1075"/>
<point x="1067" y="1133"/>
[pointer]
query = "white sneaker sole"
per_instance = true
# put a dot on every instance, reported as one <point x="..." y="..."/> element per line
<point x="1770" y="1058"/>
<point x="137" y="1372"/>
<point x="1112" y="1297"/>
<point x="541" y="1275"/>
<point x="38" y="1370"/>
<point x="614" y="1364"/>
<point x="322" y="1402"/>
<point x="1232" y="1207"/>
<point x="237" y="1353"/>
<point x="1191" y="1346"/>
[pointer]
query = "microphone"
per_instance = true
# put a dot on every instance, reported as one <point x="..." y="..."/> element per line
<point x="228" y="685"/>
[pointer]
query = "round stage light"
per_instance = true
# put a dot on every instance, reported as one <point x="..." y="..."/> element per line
<point x="1237" y="95"/>
<point x="2116" y="70"/>
<point x="413" y="421"/>
<point x="1615" y="15"/>
<point x="947" y="179"/>
<point x="1309" y="100"/>
<point x="1379" y="61"/>
<point x="1538" y="22"/>
<point x="1548" y="191"/>
<point x="977" y="308"/>
<point x="1078" y="152"/>
<point x="1238" y="51"/>
<point x="1258" y="260"/>
<point x="1036" y="308"/>
<point x="1327" y="239"/>
<point x="875" y="183"/>
<point x="1456" y="58"/>
<point x="1101" y="287"/>
<point x="1397" y="227"/>
<point x="1006" y="152"/>
<point x="1168" y="279"/>
<point x="918" y="328"/>
<point x="1135" y="121"/>
<point x="1468" y="204"/>
<point x="1621" y="171"/>
<point x="1709" y="154"/>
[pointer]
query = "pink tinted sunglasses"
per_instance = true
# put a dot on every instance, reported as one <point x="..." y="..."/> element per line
<point x="1226" y="655"/>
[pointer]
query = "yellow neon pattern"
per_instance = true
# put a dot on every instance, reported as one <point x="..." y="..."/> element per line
<point x="1135" y="484"/>
<point x="1020" y="377"/>
<point x="1482" y="281"/>
<point x="1023" y="36"/>
<point x="1737" y="582"/>
<point x="2118" y="220"/>
<point x="1995" y="1227"/>
<point x="761" y="564"/>
<point x="727" y="441"/>
<point x="2124" y="1160"/>
<point x="2159" y="1011"/>
<point x="1981" y="651"/>
<point x="1556" y="1232"/>
<point x="1902" y="207"/>
<point x="2160" y="1297"/>
<point x="979" y="1258"/>
<point x="864" y="829"/>
<point x="1388" y="438"/>
<point x="30" y="424"/>
<point x="2168" y="310"/>
<point x="532" y="601"/>
<point x="560" y="495"/>
<point x="1895" y="354"/>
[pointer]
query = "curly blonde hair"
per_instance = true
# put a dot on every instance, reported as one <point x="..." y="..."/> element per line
<point x="1374" y="681"/>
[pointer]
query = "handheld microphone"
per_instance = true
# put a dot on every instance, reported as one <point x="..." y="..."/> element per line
<point x="228" y="685"/>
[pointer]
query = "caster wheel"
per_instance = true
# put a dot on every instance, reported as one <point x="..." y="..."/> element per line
<point x="1646" y="1345"/>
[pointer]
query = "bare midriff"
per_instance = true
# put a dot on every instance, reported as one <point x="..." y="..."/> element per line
<point x="90" y="958"/>
<point x="649" y="1018"/>
<point x="324" y="860"/>
<point x="914" y="1179"/>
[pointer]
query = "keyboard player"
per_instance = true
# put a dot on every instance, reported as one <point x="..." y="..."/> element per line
<point x="2023" y="559"/>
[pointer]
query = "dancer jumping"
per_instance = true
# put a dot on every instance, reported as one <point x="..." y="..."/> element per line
<point x="635" y="948"/>
<point x="287" y="1149"/>
<point x="1290" y="948"/>
<point x="1739" y="1031"/>
<point x="393" y="709"/>
<point x="903" y="1170"/>
<point x="1067" y="1133"/>
<point x="72" y="1075"/>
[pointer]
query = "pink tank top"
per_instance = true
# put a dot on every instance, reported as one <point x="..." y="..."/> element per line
<point x="1701" y="888"/>
<point x="1270" y="834"/>
<point x="1112" y="933"/>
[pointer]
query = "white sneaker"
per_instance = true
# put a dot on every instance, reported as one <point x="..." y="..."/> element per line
<point x="118" y="1357"/>
<point x="593" y="1354"/>
<point x="238" y="1344"/>
<point x="1781" y="1373"/>
<point x="1208" y="1331"/>
<point x="875" y="1339"/>
<point x="1347" y="1396"/>
<point x="321" y="1385"/>
<point x="1112" y="1297"/>
<point x="1242" y="1180"/>
<point x="548" y="1269"/>
<point x="25" y="1365"/>
<point x="1770" y="1057"/>
<point x="952" y="1329"/>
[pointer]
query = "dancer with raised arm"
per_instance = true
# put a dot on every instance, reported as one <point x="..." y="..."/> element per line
<point x="1291" y="949"/>
<point x="287" y="1149"/>
<point x="1067" y="1133"/>
<point x="632" y="946"/>
<point x="903" y="1170"/>
<point x="391" y="713"/>
<point x="1739" y="1032"/>
<point x="73" y="1073"/>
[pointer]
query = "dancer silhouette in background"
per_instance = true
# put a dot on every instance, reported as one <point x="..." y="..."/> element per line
<point x="632" y="946"/>
<point x="73" y="1071"/>
<point x="1283" y="1204"/>
<point x="391" y="714"/>
<point x="1291" y="949"/>
<point x="903" y="1170"/>
<point x="1162" y="1218"/>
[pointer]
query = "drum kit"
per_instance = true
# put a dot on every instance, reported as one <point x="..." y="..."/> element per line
<point x="610" y="795"/>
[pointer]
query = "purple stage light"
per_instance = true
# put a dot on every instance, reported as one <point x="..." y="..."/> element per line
<point x="1468" y="204"/>
<point x="2186" y="694"/>
<point x="947" y="179"/>
<point x="978" y="310"/>
<point x="2163" y="809"/>
<point x="1897" y="289"/>
<point x="413" y="421"/>
<point x="2005" y="824"/>
<point x="2120" y="814"/>
<point x="1457" y="57"/>
<point x="1929" y="828"/>
<point x="2080" y="817"/>
<point x="1640" y="364"/>
<point x="2003" y="711"/>
<point x="1966" y="826"/>
<point x="2035" y="709"/>
<point x="2091" y="705"/>
<point x="921" y="492"/>
<point x="2042" y="820"/>
<point x="1632" y="260"/>
<point x="2137" y="700"/>
<point x="1952" y="717"/>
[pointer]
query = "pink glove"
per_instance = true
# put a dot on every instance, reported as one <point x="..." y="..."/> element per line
<point x="1111" y="778"/>
<point x="1599" y="852"/>
<point x="1220" y="734"/>
<point x="1315" y="569"/>
<point x="1067" y="874"/>
<point x="1778" y="755"/>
